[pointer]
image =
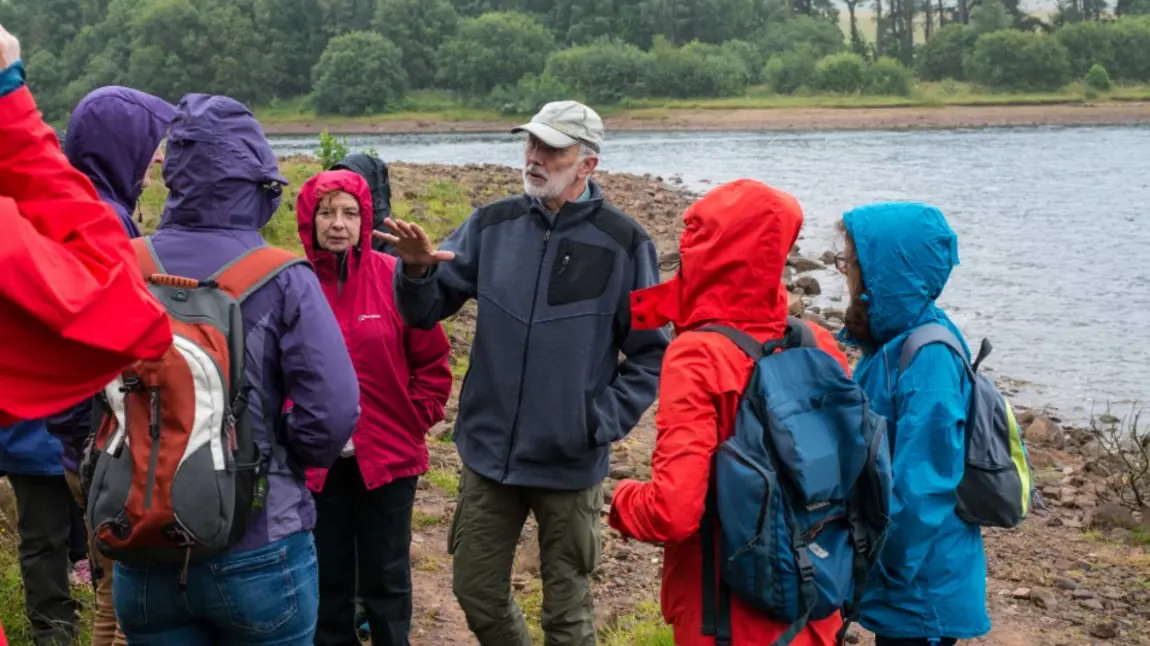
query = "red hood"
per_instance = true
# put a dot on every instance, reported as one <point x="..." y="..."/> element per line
<point x="308" y="201"/>
<point x="734" y="249"/>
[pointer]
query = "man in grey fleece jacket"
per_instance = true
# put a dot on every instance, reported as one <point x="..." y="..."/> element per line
<point x="545" y="394"/>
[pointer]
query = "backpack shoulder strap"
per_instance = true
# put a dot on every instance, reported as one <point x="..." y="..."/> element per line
<point x="746" y="342"/>
<point x="925" y="335"/>
<point x="146" y="257"/>
<point x="241" y="277"/>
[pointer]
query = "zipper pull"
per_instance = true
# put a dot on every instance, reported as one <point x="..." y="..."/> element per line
<point x="154" y="400"/>
<point x="563" y="265"/>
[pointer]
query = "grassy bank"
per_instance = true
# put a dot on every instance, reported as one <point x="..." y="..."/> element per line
<point x="437" y="107"/>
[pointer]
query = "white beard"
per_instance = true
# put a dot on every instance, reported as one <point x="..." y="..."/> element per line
<point x="556" y="183"/>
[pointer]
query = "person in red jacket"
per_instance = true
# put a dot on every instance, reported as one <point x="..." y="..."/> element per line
<point x="733" y="251"/>
<point x="364" y="502"/>
<point x="74" y="310"/>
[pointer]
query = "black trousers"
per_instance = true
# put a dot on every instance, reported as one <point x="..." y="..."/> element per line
<point x="43" y="507"/>
<point x="887" y="641"/>
<point x="364" y="535"/>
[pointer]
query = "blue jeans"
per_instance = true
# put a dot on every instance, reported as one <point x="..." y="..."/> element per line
<point x="264" y="596"/>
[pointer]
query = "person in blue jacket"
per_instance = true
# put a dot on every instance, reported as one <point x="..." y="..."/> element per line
<point x="929" y="586"/>
<point x="30" y="457"/>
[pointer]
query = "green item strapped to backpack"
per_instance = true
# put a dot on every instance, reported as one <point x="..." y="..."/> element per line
<point x="997" y="487"/>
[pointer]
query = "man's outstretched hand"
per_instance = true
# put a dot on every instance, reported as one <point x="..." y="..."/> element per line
<point x="412" y="246"/>
<point x="9" y="48"/>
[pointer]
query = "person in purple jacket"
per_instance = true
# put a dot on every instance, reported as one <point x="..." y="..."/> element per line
<point x="114" y="138"/>
<point x="225" y="185"/>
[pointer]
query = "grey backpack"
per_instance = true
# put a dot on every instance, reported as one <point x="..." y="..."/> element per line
<point x="174" y="474"/>
<point x="997" y="487"/>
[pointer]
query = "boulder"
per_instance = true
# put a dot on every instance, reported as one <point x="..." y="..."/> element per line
<point x="1044" y="432"/>
<point x="1110" y="516"/>
<point x="794" y="304"/>
<point x="804" y="264"/>
<point x="808" y="285"/>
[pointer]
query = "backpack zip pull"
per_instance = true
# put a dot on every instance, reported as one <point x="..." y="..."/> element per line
<point x="184" y="571"/>
<point x="154" y="432"/>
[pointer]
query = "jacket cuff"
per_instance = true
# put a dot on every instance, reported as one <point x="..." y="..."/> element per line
<point x="16" y="105"/>
<point x="407" y="283"/>
<point x="12" y="78"/>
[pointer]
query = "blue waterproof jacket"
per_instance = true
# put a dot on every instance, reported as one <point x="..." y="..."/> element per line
<point x="28" y="449"/>
<point x="930" y="581"/>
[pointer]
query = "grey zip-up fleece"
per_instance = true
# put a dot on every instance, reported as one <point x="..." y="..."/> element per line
<point x="545" y="393"/>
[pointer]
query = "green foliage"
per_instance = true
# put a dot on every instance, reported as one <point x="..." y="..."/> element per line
<point x="1087" y="44"/>
<point x="529" y="94"/>
<point x="418" y="27"/>
<point x="497" y="48"/>
<point x="889" y="77"/>
<point x="696" y="69"/>
<point x="751" y="56"/>
<point x="793" y="31"/>
<point x="843" y="73"/>
<point x="989" y="16"/>
<point x="1097" y="78"/>
<point x="942" y="56"/>
<point x="603" y="72"/>
<point x="1020" y="61"/>
<point x="358" y="72"/>
<point x="1132" y="49"/>
<point x="331" y="149"/>
<point x="789" y="71"/>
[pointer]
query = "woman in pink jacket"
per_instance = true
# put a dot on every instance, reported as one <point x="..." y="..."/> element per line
<point x="364" y="502"/>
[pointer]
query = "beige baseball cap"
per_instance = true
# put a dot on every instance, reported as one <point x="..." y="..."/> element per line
<point x="561" y="124"/>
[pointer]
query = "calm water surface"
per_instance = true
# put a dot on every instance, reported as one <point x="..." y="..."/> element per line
<point x="1053" y="238"/>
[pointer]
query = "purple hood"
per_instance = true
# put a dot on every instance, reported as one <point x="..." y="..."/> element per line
<point x="112" y="136"/>
<point x="220" y="171"/>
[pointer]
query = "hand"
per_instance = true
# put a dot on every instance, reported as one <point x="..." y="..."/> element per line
<point x="412" y="245"/>
<point x="9" y="48"/>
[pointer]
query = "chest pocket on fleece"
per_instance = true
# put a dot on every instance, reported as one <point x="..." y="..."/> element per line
<point x="581" y="272"/>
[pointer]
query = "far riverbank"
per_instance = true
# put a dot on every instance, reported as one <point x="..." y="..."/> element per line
<point x="755" y="119"/>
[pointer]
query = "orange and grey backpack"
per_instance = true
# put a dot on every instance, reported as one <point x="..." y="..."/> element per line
<point x="173" y="472"/>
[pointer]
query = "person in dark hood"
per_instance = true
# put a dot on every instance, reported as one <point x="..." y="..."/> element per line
<point x="114" y="138"/>
<point x="374" y="170"/>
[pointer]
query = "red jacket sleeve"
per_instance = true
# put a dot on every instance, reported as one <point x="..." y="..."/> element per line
<point x="670" y="506"/>
<point x="74" y="310"/>
<point x="428" y="354"/>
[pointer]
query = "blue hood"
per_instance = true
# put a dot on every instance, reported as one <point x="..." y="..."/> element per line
<point x="906" y="251"/>
<point x="220" y="170"/>
<point x="112" y="137"/>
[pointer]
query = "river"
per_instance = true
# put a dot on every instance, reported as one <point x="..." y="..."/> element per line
<point x="1053" y="241"/>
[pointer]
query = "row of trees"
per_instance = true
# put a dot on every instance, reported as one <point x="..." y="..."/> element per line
<point x="356" y="56"/>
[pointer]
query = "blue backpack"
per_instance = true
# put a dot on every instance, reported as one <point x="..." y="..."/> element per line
<point x="800" y="494"/>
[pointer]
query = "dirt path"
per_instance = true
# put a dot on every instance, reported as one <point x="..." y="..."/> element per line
<point x="776" y="119"/>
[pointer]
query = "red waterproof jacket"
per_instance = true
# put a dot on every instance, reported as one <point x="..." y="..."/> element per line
<point x="733" y="250"/>
<point x="74" y="310"/>
<point x="404" y="375"/>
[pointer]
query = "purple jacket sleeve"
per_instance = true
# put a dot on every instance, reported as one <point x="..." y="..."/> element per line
<point x="319" y="377"/>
